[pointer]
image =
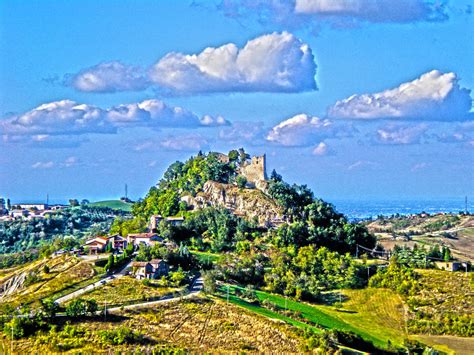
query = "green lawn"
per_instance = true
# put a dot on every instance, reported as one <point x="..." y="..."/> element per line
<point x="205" y="256"/>
<point x="114" y="204"/>
<point x="368" y="326"/>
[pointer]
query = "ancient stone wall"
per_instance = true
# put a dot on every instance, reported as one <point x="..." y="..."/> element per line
<point x="255" y="171"/>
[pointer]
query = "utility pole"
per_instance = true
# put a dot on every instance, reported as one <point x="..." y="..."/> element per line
<point x="357" y="251"/>
<point x="126" y="191"/>
<point x="465" y="204"/>
<point x="105" y="311"/>
<point x="228" y="293"/>
<point x="47" y="199"/>
<point x="13" y="324"/>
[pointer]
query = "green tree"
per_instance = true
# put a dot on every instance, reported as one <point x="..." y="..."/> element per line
<point x="76" y="308"/>
<point x="49" y="307"/>
<point x="241" y="181"/>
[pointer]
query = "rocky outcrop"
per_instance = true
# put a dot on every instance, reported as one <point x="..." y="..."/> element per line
<point x="252" y="204"/>
<point x="12" y="284"/>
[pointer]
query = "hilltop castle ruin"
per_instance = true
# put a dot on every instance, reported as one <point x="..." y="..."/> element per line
<point x="255" y="172"/>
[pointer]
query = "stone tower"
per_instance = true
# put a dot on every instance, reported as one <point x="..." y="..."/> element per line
<point x="255" y="171"/>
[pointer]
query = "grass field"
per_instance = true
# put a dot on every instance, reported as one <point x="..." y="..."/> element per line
<point x="114" y="204"/>
<point x="378" y="312"/>
<point x="324" y="316"/>
<point x="198" y="326"/>
<point x="126" y="290"/>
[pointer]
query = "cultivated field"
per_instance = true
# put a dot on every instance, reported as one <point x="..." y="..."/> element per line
<point x="198" y="325"/>
<point x="126" y="290"/>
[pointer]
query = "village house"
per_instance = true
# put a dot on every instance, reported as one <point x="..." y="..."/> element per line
<point x="99" y="244"/>
<point x="96" y="245"/>
<point x="448" y="265"/>
<point x="147" y="239"/>
<point x="153" y="269"/>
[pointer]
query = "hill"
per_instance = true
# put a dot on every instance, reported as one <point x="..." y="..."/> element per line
<point x="113" y="204"/>
<point x="455" y="231"/>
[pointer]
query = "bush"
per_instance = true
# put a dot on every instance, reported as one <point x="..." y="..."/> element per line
<point x="120" y="336"/>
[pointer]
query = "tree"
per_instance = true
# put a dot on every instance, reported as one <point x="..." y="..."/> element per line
<point x="275" y="176"/>
<point x="85" y="202"/>
<point x="46" y="269"/>
<point x="233" y="155"/>
<point x="76" y="308"/>
<point x="73" y="202"/>
<point x="241" y="181"/>
<point x="49" y="307"/>
<point x="91" y="307"/>
<point x="243" y="156"/>
<point x="209" y="282"/>
<point x="447" y="254"/>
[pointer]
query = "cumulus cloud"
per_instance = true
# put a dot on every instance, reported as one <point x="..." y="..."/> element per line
<point x="43" y="165"/>
<point x="322" y="149"/>
<point x="311" y="14"/>
<point x="433" y="96"/>
<point x="276" y="62"/>
<point x="109" y="77"/>
<point x="400" y="135"/>
<point x="189" y="142"/>
<point x="303" y="130"/>
<point x="59" y="117"/>
<point x="51" y="122"/>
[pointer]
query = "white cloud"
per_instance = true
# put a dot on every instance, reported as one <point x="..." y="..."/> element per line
<point x="50" y="124"/>
<point x="361" y="164"/>
<point x="395" y="134"/>
<point x="312" y="14"/>
<point x="43" y="165"/>
<point x="276" y="62"/>
<point x="71" y="161"/>
<point x="210" y="121"/>
<point x="59" y="117"/>
<point x="109" y="77"/>
<point x="302" y="130"/>
<point x="399" y="11"/>
<point x="433" y="96"/>
<point x="189" y="142"/>
<point x="321" y="149"/>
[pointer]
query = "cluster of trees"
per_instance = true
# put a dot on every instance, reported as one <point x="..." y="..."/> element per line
<point x="20" y="235"/>
<point x="420" y="257"/>
<point x="397" y="277"/>
<point x="303" y="273"/>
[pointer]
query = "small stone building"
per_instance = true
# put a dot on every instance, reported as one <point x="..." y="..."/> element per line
<point x="448" y="265"/>
<point x="153" y="269"/>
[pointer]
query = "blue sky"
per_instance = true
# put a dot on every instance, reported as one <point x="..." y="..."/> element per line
<point x="358" y="98"/>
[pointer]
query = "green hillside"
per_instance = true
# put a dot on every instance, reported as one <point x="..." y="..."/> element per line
<point x="114" y="204"/>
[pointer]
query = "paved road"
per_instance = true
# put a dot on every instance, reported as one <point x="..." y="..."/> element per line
<point x="99" y="283"/>
<point x="194" y="290"/>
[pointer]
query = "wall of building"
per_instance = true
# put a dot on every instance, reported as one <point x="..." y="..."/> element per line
<point x="255" y="170"/>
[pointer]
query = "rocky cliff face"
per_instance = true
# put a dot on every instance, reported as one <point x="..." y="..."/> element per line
<point x="248" y="203"/>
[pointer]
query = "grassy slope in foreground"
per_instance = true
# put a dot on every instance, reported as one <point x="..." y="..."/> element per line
<point x="319" y="315"/>
<point x="114" y="204"/>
